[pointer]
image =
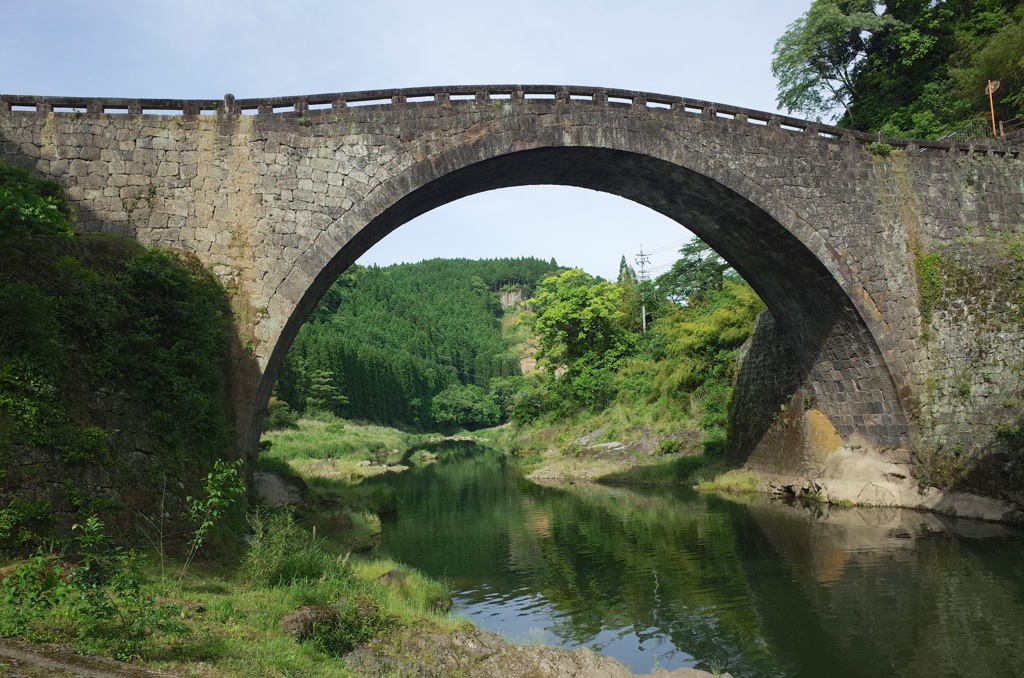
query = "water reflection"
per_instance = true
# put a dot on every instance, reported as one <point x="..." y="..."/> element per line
<point x="669" y="578"/>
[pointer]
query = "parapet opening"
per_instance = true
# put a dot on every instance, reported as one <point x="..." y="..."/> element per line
<point x="369" y="102"/>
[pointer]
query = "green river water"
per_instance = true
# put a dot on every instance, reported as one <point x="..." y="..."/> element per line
<point x="751" y="585"/>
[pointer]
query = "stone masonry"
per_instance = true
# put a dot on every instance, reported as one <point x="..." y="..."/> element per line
<point x="279" y="196"/>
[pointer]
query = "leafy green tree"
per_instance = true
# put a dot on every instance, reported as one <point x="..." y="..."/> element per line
<point x="699" y="269"/>
<point x="582" y="328"/>
<point x="468" y="406"/>
<point x="1000" y="58"/>
<point x="912" y="68"/>
<point x="699" y="342"/>
<point x="580" y="321"/>
<point x="819" y="58"/>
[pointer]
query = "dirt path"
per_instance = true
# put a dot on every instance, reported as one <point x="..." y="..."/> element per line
<point x="26" y="660"/>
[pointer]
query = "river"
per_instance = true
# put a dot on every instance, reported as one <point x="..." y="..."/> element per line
<point x="670" y="578"/>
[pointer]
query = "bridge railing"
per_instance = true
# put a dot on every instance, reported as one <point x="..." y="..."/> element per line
<point x="306" y="105"/>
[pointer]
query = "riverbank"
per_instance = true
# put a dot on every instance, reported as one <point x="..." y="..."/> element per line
<point x="643" y="455"/>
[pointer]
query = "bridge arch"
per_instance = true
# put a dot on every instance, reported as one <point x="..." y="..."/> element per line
<point x="822" y="310"/>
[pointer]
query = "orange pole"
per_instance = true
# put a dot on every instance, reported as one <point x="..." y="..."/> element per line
<point x="992" y="107"/>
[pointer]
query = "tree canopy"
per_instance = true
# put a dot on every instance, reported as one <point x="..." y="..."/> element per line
<point x="818" y="60"/>
<point x="914" y="68"/>
<point x="699" y="269"/>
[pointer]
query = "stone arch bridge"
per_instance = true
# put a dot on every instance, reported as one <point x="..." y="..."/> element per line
<point x="278" y="196"/>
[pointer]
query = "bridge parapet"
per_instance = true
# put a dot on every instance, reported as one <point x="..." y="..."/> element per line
<point x="312" y="104"/>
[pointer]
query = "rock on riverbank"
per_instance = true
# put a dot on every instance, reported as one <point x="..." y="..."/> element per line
<point x="481" y="654"/>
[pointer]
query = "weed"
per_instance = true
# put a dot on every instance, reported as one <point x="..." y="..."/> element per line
<point x="282" y="553"/>
<point x="145" y="197"/>
<point x="929" y="284"/>
<point x="97" y="595"/>
<point x="881" y="149"/>
<point x="669" y="446"/>
<point x="358" y="619"/>
<point x="963" y="387"/>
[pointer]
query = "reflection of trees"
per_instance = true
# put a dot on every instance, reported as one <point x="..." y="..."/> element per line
<point x="603" y="558"/>
<point x="454" y="518"/>
<point x="651" y="560"/>
<point x="761" y="589"/>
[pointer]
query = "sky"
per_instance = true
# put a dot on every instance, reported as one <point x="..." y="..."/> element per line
<point x="715" y="50"/>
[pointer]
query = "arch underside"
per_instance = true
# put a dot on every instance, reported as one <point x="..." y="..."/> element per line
<point x="828" y="339"/>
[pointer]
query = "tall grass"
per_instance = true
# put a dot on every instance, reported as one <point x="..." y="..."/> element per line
<point x="328" y="437"/>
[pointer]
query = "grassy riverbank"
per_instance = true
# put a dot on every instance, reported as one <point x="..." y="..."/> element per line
<point x="622" y="444"/>
<point x="225" y="617"/>
<point x="222" y="619"/>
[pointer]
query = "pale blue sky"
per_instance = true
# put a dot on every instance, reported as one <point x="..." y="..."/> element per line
<point x="718" y="51"/>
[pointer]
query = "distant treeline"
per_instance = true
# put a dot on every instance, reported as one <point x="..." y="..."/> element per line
<point x="384" y="342"/>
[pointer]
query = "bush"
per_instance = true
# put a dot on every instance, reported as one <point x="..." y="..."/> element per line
<point x="32" y="210"/>
<point x="670" y="446"/>
<point x="358" y="619"/>
<point x="881" y="149"/>
<point x="279" y="416"/>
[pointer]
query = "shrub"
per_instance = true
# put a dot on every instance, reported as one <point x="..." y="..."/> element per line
<point x="279" y="416"/>
<point x="880" y="149"/>
<point x="358" y="619"/>
<point x="670" y="446"/>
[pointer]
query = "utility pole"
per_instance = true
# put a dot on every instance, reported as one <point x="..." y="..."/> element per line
<point x="643" y="261"/>
<point x="990" y="89"/>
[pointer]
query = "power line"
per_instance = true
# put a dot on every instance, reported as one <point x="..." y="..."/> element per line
<point x="670" y="246"/>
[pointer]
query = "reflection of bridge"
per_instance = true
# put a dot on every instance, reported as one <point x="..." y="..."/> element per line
<point x="280" y="195"/>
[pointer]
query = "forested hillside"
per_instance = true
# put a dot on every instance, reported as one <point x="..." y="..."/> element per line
<point x="421" y="345"/>
<point x="912" y="68"/>
<point x="412" y="344"/>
